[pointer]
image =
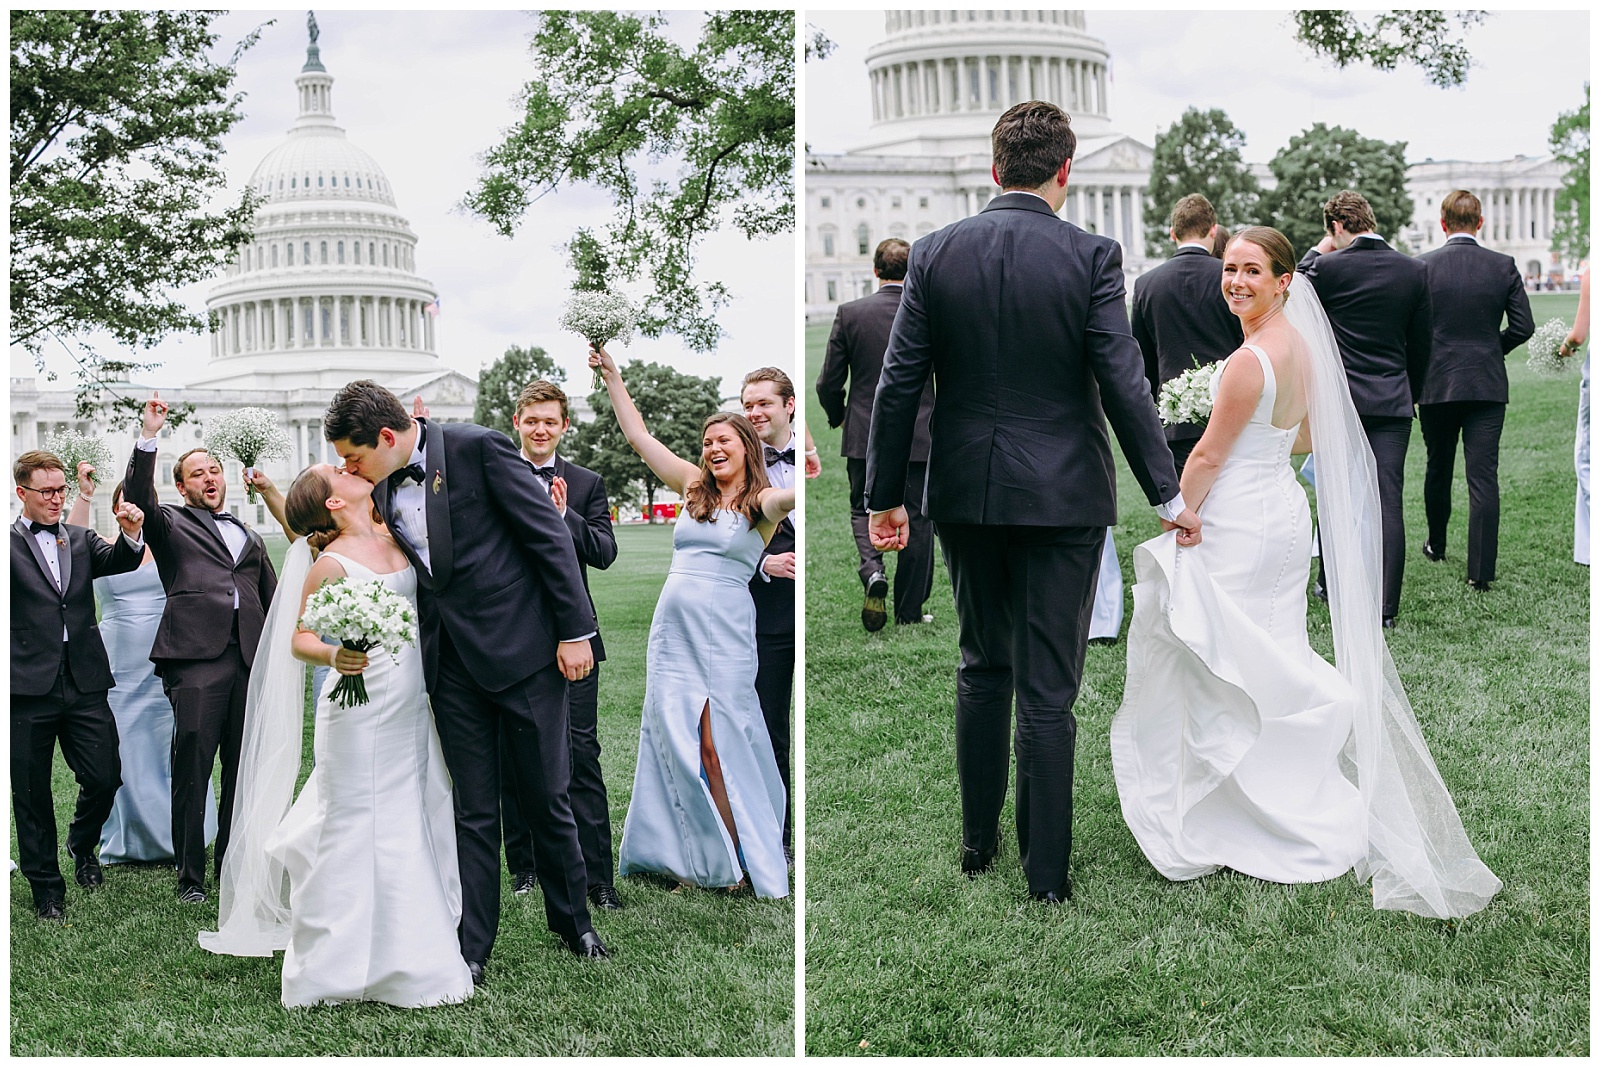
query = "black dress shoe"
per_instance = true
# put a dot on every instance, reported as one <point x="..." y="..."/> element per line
<point x="1482" y="587"/>
<point x="605" y="898"/>
<point x="53" y="911"/>
<point x="1052" y="897"/>
<point x="1389" y="622"/>
<point x="788" y="856"/>
<point x="88" y="872"/>
<point x="1427" y="550"/>
<point x="475" y="968"/>
<point x="874" y="610"/>
<point x="191" y="894"/>
<point x="522" y="882"/>
<point x="975" y="862"/>
<point x="590" y="946"/>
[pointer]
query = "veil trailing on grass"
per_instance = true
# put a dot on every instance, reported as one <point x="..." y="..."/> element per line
<point x="1418" y="856"/>
<point x="253" y="901"/>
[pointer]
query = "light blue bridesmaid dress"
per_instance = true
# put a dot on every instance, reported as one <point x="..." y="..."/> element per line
<point x="139" y="829"/>
<point x="703" y="648"/>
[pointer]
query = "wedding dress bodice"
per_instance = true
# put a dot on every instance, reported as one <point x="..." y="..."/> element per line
<point x="1260" y="442"/>
<point x="402" y="581"/>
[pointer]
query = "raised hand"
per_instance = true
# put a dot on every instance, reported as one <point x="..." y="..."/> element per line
<point x="890" y="531"/>
<point x="600" y="360"/>
<point x="155" y="414"/>
<point x="558" y="494"/>
<point x="86" y="479"/>
<point x="418" y="408"/>
<point x="130" y="518"/>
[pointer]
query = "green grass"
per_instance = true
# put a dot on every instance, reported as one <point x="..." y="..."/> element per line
<point x="905" y="956"/>
<point x="693" y="972"/>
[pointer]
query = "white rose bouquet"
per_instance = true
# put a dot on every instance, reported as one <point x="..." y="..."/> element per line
<point x="1187" y="398"/>
<point x="73" y="447"/>
<point x="360" y="616"/>
<point x="600" y="317"/>
<point x="1544" y="349"/>
<point x="248" y="435"/>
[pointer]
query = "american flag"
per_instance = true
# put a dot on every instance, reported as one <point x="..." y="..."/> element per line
<point x="433" y="308"/>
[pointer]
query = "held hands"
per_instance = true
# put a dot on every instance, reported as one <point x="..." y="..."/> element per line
<point x="575" y="658"/>
<point x="890" y="531"/>
<point x="86" y="479"/>
<point x="348" y="660"/>
<point x="558" y="494"/>
<point x="129" y="517"/>
<point x="1188" y="527"/>
<point x="155" y="415"/>
<point x="779" y="565"/>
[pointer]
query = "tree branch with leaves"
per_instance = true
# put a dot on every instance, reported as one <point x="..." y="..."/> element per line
<point x="1429" y="40"/>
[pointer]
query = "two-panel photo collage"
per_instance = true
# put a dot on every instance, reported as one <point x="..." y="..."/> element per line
<point x="796" y="533"/>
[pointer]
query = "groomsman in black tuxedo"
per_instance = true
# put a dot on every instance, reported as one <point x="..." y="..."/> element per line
<point x="1019" y="317"/>
<point x="1465" y="395"/>
<point x="855" y="354"/>
<point x="579" y="494"/>
<point x="219" y="583"/>
<point x="59" y="677"/>
<point x="1382" y="317"/>
<point x="768" y="398"/>
<point x="1180" y="317"/>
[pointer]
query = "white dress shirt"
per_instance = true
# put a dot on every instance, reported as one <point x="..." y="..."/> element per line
<point x="410" y="507"/>
<point x="780" y="475"/>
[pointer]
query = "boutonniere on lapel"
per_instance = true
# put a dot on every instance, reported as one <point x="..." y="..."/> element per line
<point x="438" y="482"/>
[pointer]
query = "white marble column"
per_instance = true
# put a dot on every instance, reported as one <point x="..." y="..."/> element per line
<point x="1116" y="216"/>
<point x="1138" y="222"/>
<point x="1077" y="205"/>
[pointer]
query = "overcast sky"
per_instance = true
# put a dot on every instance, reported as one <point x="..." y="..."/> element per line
<point x="1528" y="67"/>
<point x="424" y="93"/>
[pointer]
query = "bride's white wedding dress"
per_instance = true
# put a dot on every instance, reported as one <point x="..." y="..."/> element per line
<point x="359" y="880"/>
<point x="1236" y="744"/>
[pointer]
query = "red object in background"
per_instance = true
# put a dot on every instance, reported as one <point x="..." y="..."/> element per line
<point x="662" y="513"/>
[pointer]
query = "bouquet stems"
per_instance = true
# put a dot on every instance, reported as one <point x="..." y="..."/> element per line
<point x="351" y="689"/>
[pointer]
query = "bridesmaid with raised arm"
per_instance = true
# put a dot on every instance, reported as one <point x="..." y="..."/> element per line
<point x="708" y="803"/>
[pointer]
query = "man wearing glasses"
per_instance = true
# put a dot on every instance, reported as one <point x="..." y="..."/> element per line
<point x="59" y="677"/>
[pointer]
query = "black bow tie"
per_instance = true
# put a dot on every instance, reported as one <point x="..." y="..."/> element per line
<point x="547" y="473"/>
<point x="774" y="456"/>
<point x="227" y="516"/>
<point x="412" y="471"/>
<point x="53" y="529"/>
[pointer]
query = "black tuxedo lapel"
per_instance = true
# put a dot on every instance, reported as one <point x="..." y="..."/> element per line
<point x="209" y="521"/>
<point x="64" y="557"/>
<point x="21" y="526"/>
<point x="441" y="550"/>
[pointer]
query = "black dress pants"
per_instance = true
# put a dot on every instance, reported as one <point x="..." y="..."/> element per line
<point x="1477" y="426"/>
<point x="1388" y="437"/>
<point x="82" y="722"/>
<point x="1180" y="453"/>
<point x="208" y="697"/>
<point x="775" y="691"/>
<point x="590" y="808"/>
<point x="530" y="719"/>
<point x="913" y="576"/>
<point x="1024" y="596"/>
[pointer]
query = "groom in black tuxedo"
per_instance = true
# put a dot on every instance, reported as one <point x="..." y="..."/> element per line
<point x="506" y="624"/>
<point x="1020" y="318"/>
<point x="1382" y="317"/>
<point x="60" y="676"/>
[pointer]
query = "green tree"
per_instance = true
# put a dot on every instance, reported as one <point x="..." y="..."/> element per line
<point x="674" y="406"/>
<point x="1323" y="160"/>
<point x="504" y="379"/>
<point x="1430" y="40"/>
<point x="117" y="120"/>
<point x="1200" y="153"/>
<point x="685" y="141"/>
<point x="1569" y="140"/>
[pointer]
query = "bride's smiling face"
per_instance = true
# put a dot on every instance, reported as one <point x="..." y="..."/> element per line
<point x="1248" y="283"/>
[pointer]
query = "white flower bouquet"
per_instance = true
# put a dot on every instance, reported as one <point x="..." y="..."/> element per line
<point x="360" y="616"/>
<point x="1544" y="349"/>
<point x="599" y="317"/>
<point x="73" y="447"/>
<point x="248" y="435"/>
<point x="1187" y="398"/>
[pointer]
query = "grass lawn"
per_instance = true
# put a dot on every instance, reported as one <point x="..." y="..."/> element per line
<point x="692" y="972"/>
<point x="906" y="956"/>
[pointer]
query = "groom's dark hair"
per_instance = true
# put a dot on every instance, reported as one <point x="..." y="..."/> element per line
<point x="360" y="410"/>
<point x="1030" y="142"/>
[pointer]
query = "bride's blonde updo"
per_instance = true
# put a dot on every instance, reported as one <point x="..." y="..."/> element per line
<point x="305" y="506"/>
<point x="1280" y="253"/>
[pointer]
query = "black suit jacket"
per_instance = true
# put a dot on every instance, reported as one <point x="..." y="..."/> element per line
<point x="505" y="578"/>
<point x="855" y="353"/>
<point x="588" y="520"/>
<point x="1181" y="319"/>
<point x="774" y="597"/>
<point x="1472" y="288"/>
<point x="1378" y="305"/>
<point x="39" y="610"/>
<point x="199" y="574"/>
<point x="1020" y="318"/>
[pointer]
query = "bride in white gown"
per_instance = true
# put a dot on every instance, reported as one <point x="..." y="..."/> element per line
<point x="1236" y="744"/>
<point x="358" y="881"/>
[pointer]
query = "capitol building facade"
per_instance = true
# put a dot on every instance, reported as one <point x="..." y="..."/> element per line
<point x="940" y="79"/>
<point x="326" y="292"/>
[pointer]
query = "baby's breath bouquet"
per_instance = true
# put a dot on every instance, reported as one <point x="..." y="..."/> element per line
<point x="360" y="616"/>
<point x="599" y="317"/>
<point x="1187" y="398"/>
<point x="1544" y="349"/>
<point x="73" y="447"/>
<point x="248" y="435"/>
